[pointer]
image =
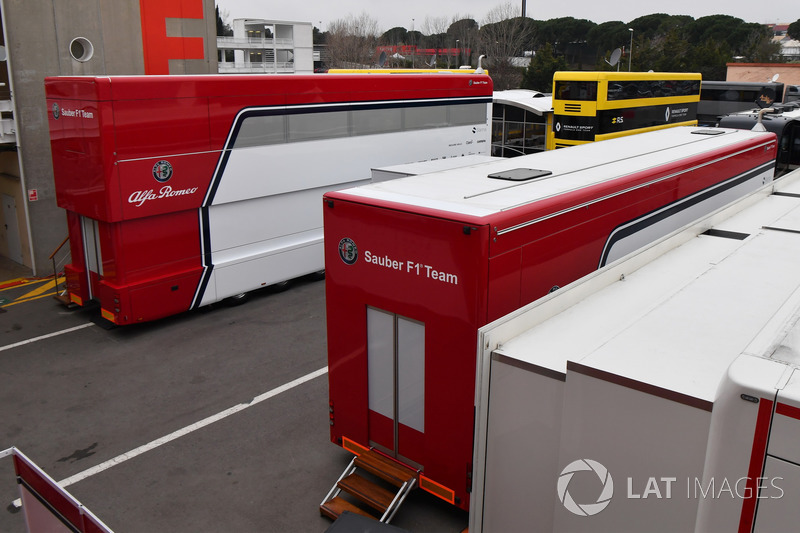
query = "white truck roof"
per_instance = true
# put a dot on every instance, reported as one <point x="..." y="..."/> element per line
<point x="427" y="167"/>
<point x="468" y="191"/>
<point x="677" y="321"/>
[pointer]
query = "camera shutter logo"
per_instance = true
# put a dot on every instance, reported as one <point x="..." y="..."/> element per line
<point x="585" y="509"/>
<point x="348" y="251"/>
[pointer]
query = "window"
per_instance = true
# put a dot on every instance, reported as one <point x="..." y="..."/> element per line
<point x="326" y="125"/>
<point x="576" y="90"/>
<point x="516" y="131"/>
<point x="370" y="121"/>
<point x="396" y="368"/>
<point x="309" y="124"/>
<point x="464" y="114"/>
<point x="261" y="130"/>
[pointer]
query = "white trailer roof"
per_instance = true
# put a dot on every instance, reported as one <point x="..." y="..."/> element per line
<point x="534" y="101"/>
<point x="438" y="165"/>
<point x="468" y="191"/>
<point x="680" y="320"/>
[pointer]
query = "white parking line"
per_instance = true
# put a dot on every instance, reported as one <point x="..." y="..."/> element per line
<point x="186" y="430"/>
<point x="42" y="337"/>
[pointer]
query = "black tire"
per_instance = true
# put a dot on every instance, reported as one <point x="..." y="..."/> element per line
<point x="237" y="299"/>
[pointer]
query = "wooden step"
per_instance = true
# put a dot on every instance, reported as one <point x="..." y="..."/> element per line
<point x="385" y="468"/>
<point x="368" y="492"/>
<point x="65" y="300"/>
<point x="336" y="506"/>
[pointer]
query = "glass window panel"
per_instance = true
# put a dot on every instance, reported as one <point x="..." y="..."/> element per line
<point x="307" y="126"/>
<point x="534" y="136"/>
<point x="515" y="114"/>
<point x="380" y="362"/>
<point x="368" y="121"/>
<point x="497" y="132"/>
<point x="575" y="90"/>
<point x="260" y="130"/>
<point x="411" y="374"/>
<point x="497" y="111"/>
<point x="420" y="117"/>
<point x="530" y="116"/>
<point x="463" y="114"/>
<point x="514" y="137"/>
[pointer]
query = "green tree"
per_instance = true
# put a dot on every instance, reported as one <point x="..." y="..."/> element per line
<point x="608" y="36"/>
<point x="223" y="28"/>
<point x="709" y="59"/>
<point x="539" y="74"/>
<point x="794" y="30"/>
<point x="502" y="37"/>
<point x="395" y="36"/>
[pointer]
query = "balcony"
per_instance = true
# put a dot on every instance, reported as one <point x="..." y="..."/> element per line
<point x="245" y="43"/>
<point x="8" y="132"/>
<point x="256" y="68"/>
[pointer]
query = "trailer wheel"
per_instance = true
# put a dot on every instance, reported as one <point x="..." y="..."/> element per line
<point x="280" y="286"/>
<point x="237" y="299"/>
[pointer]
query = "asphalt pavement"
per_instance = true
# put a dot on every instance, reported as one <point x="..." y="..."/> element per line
<point x="208" y="421"/>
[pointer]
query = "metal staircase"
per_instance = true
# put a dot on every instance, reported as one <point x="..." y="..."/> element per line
<point x="378" y="495"/>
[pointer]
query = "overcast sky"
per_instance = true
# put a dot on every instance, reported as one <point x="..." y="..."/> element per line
<point x="408" y="13"/>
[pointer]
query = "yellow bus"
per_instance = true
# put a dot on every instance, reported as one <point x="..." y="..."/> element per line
<point x="593" y="106"/>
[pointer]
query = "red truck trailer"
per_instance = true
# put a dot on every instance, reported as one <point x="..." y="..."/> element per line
<point x="415" y="266"/>
<point x="181" y="191"/>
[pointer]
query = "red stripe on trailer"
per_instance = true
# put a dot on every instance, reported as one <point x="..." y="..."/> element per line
<point x="46" y="491"/>
<point x="788" y="410"/>
<point x="757" y="457"/>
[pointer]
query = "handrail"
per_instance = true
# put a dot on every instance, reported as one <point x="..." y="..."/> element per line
<point x="59" y="247"/>
<point x="59" y="291"/>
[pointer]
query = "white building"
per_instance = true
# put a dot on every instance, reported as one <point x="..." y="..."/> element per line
<point x="261" y="46"/>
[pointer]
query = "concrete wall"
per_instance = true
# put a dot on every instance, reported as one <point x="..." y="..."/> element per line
<point x="127" y="37"/>
<point x="761" y="72"/>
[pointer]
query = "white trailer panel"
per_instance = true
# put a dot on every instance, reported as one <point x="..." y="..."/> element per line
<point x="663" y="368"/>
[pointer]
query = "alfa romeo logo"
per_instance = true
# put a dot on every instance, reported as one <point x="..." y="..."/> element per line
<point x="56" y="111"/>
<point x="585" y="509"/>
<point x="162" y="171"/>
<point x="348" y="251"/>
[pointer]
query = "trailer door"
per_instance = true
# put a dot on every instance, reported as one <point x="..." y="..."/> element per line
<point x="396" y="377"/>
<point x="91" y="252"/>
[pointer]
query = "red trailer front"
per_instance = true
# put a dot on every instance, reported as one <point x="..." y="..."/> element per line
<point x="415" y="266"/>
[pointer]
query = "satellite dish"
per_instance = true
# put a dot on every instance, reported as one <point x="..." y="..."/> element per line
<point x="775" y="77"/>
<point x="432" y="62"/>
<point x="382" y="59"/>
<point x="615" y="55"/>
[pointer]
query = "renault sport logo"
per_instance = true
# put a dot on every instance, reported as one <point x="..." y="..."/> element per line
<point x="585" y="509"/>
<point x="666" y="115"/>
<point x="348" y="251"/>
<point x="162" y="171"/>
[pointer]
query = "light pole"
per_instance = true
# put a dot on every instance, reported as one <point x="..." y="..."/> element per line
<point x="630" y="51"/>
<point x="413" y="43"/>
<point x="458" y="54"/>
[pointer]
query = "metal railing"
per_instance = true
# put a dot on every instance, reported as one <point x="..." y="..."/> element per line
<point x="58" y="264"/>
